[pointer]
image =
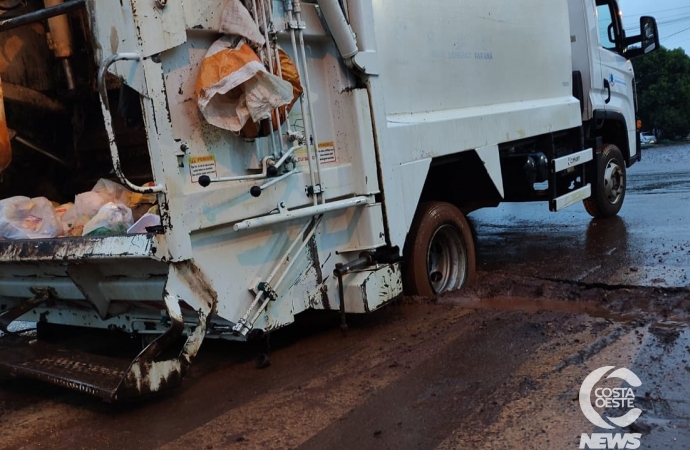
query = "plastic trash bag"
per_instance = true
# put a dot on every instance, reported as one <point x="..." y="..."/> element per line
<point x="60" y="212"/>
<point x="105" y="191"/>
<point x="233" y="86"/>
<point x="88" y="204"/>
<point x="113" y="192"/>
<point x="28" y="218"/>
<point x="112" y="218"/>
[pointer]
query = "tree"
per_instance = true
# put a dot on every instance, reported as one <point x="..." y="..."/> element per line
<point x="663" y="90"/>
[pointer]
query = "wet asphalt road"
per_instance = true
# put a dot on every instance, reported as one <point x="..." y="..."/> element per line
<point x="496" y="366"/>
<point x="647" y="245"/>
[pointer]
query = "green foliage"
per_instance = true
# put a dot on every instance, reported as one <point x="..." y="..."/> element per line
<point x="663" y="89"/>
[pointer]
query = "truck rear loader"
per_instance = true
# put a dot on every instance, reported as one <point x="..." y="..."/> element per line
<point x="303" y="155"/>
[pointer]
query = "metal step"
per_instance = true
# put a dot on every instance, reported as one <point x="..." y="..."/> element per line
<point x="92" y="374"/>
<point x="572" y="160"/>
<point x="111" y="379"/>
<point x="570" y="198"/>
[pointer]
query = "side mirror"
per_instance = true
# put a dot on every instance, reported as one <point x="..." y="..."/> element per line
<point x="649" y="33"/>
<point x="648" y="38"/>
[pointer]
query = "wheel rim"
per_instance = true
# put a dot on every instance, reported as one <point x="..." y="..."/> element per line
<point x="446" y="260"/>
<point x="614" y="182"/>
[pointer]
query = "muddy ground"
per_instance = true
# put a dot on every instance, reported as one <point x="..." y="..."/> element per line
<point x="496" y="366"/>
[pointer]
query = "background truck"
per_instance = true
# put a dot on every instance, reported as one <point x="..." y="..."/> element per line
<point x="406" y="118"/>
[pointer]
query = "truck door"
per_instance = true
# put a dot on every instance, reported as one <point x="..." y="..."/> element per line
<point x="616" y="70"/>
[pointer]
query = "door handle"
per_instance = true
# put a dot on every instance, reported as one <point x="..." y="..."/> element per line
<point x="607" y="86"/>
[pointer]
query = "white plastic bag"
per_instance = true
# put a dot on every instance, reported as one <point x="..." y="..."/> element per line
<point x="88" y="204"/>
<point x="112" y="218"/>
<point x="113" y="192"/>
<point x="28" y="218"/>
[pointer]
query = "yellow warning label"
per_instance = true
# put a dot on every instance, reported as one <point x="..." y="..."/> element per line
<point x="202" y="159"/>
<point x="202" y="165"/>
<point x="326" y="154"/>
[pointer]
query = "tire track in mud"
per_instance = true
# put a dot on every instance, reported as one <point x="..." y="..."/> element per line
<point x="239" y="391"/>
<point x="321" y="381"/>
<point x="417" y="372"/>
<point x="421" y="409"/>
<point x="298" y="411"/>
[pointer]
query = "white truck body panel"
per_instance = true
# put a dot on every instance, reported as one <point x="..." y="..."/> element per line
<point x="494" y="96"/>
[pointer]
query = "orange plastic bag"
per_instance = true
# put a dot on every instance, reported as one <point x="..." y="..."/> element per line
<point x="233" y="86"/>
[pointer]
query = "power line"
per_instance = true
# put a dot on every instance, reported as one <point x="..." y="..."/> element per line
<point x="666" y="21"/>
<point x="677" y="32"/>
<point x="649" y="13"/>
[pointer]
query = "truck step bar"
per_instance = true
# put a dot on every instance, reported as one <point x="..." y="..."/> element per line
<point x="571" y="198"/>
<point x="91" y="374"/>
<point x="574" y="162"/>
<point x="111" y="379"/>
<point x="575" y="159"/>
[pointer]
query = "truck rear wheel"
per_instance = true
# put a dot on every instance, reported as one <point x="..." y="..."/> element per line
<point x="608" y="190"/>
<point x="439" y="254"/>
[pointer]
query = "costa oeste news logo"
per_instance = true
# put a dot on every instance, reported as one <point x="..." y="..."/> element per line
<point x="605" y="397"/>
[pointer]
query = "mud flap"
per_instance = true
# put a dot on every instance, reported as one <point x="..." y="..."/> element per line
<point x="146" y="374"/>
<point x="111" y="379"/>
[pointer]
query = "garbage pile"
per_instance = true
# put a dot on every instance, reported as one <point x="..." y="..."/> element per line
<point x="107" y="209"/>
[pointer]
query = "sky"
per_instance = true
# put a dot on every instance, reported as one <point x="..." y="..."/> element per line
<point x="672" y="16"/>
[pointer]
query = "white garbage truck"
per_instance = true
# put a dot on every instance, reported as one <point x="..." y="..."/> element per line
<point x="302" y="155"/>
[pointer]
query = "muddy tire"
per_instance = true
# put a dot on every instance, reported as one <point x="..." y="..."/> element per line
<point x="608" y="189"/>
<point x="439" y="253"/>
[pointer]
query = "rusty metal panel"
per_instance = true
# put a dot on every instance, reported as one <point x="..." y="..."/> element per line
<point x="70" y="249"/>
<point x="138" y="26"/>
<point x="368" y="290"/>
<point x="203" y="15"/>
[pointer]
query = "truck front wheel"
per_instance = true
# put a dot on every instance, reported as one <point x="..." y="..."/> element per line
<point x="439" y="254"/>
<point x="608" y="190"/>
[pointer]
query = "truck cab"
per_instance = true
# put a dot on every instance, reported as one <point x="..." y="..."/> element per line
<point x="601" y="57"/>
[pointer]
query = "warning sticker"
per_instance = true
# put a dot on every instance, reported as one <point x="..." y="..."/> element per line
<point x="202" y="165"/>
<point x="327" y="152"/>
